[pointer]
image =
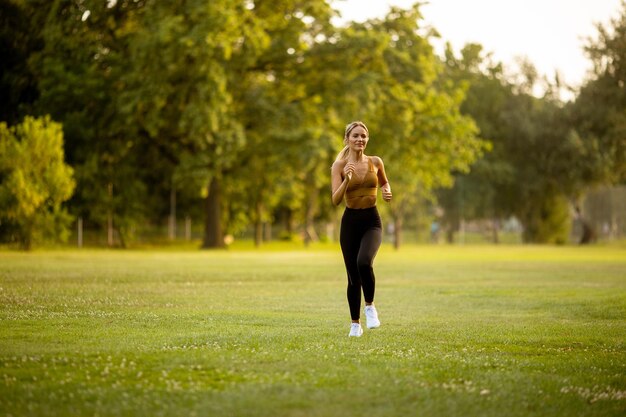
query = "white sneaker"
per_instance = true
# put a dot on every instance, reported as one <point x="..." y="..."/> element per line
<point x="356" y="330"/>
<point x="372" y="317"/>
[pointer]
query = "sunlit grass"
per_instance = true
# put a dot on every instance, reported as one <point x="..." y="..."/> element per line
<point x="467" y="330"/>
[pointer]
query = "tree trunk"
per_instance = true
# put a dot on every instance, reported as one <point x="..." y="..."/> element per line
<point x="26" y="236"/>
<point x="110" y="216"/>
<point x="397" y="214"/>
<point x="309" y="230"/>
<point x="187" y="228"/>
<point x="589" y="232"/>
<point x="109" y="229"/>
<point x="172" y="218"/>
<point x="496" y="226"/>
<point x="268" y="231"/>
<point x="397" y="232"/>
<point x="450" y="234"/>
<point x="258" y="225"/>
<point x="289" y="222"/>
<point x="213" y="234"/>
<point x="121" y="234"/>
<point x="258" y="233"/>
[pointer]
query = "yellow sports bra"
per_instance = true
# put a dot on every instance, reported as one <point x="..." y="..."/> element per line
<point x="368" y="186"/>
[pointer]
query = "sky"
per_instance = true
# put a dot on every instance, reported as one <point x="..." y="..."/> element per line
<point x="550" y="33"/>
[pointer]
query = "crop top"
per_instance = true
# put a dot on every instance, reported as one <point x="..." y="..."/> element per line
<point x="368" y="186"/>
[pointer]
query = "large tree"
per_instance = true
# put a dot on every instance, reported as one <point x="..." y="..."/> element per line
<point x="79" y="70"/>
<point x="414" y="118"/>
<point x="203" y="74"/>
<point x="284" y="122"/>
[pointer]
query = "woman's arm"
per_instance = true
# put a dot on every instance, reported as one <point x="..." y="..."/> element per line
<point x="339" y="182"/>
<point x="385" y="187"/>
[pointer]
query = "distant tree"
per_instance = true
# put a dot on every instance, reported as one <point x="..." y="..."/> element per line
<point x="480" y="193"/>
<point x="34" y="181"/>
<point x="602" y="100"/>
<point x="599" y="114"/>
<point x="543" y="151"/>
<point x="534" y="163"/>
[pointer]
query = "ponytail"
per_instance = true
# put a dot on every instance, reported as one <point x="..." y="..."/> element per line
<point x="343" y="154"/>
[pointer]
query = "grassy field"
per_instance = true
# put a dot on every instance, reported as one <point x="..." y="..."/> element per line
<point x="466" y="331"/>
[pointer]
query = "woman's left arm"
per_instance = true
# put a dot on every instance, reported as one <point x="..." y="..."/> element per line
<point x="385" y="187"/>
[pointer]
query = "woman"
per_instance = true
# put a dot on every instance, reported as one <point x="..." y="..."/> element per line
<point x="356" y="177"/>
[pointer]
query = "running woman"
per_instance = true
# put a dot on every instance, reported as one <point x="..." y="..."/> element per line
<point x="356" y="177"/>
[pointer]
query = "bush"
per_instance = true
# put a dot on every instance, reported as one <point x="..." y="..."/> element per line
<point x="34" y="182"/>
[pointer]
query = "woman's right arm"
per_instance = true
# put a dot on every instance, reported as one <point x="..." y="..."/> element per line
<point x="339" y="182"/>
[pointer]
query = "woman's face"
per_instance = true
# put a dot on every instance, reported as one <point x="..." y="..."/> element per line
<point x="357" y="139"/>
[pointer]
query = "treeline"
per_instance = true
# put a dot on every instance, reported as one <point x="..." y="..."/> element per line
<point x="235" y="111"/>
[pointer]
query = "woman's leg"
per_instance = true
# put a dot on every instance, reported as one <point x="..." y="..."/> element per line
<point x="350" y="241"/>
<point x="370" y="243"/>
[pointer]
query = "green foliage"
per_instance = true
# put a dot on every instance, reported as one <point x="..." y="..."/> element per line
<point x="481" y="192"/>
<point x="385" y="73"/>
<point x="546" y="219"/>
<point x="155" y="96"/>
<point x="598" y="112"/>
<point x="176" y="91"/>
<point x="20" y="36"/>
<point x="283" y="165"/>
<point x="536" y="162"/>
<point x="80" y="70"/>
<point x="34" y="180"/>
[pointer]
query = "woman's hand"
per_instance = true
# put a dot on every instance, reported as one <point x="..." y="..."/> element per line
<point x="348" y="171"/>
<point x="386" y="191"/>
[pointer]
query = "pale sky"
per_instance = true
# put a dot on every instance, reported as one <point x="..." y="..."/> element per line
<point x="550" y="33"/>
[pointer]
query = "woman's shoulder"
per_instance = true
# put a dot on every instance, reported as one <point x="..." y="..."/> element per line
<point x="376" y="160"/>
<point x="339" y="164"/>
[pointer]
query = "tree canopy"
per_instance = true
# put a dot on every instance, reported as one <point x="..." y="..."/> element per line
<point x="35" y="181"/>
<point x="237" y="109"/>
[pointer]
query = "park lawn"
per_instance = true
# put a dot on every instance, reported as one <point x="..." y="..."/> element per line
<point x="466" y="331"/>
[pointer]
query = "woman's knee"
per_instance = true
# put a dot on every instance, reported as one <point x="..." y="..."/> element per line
<point x="364" y="262"/>
<point x="354" y="278"/>
<point x="365" y="270"/>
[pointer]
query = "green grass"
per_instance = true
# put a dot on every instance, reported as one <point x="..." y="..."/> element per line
<point x="467" y="331"/>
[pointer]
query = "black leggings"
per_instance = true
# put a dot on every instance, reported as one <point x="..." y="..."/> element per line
<point x="360" y="238"/>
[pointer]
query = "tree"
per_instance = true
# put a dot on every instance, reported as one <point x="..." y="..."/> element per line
<point x="535" y="164"/>
<point x="598" y="115"/>
<point x="414" y="118"/>
<point x="541" y="148"/>
<point x="79" y="71"/>
<point x="34" y="181"/>
<point x="484" y="191"/>
<point x="283" y="120"/>
<point x="250" y="98"/>
<point x="599" y="108"/>
<point x="177" y="94"/>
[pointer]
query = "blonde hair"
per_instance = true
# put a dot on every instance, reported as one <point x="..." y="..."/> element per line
<point x="344" y="152"/>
